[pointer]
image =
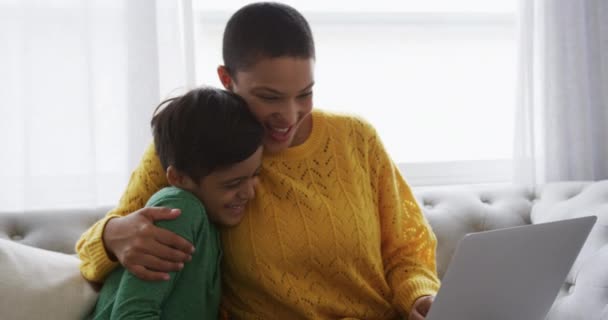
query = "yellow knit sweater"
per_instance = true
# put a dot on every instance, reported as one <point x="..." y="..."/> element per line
<point x="334" y="232"/>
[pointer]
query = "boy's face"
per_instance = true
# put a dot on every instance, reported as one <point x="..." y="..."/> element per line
<point x="225" y="192"/>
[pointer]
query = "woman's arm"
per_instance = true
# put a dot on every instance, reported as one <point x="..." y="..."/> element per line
<point x="408" y="243"/>
<point x="127" y="233"/>
<point x="141" y="299"/>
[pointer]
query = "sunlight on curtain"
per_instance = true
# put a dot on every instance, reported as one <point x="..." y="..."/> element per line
<point x="562" y="91"/>
<point x="79" y="82"/>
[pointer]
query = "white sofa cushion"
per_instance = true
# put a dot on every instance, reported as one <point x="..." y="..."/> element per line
<point x="586" y="287"/>
<point x="41" y="284"/>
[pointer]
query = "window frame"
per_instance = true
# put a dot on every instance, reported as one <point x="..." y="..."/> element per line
<point x="416" y="173"/>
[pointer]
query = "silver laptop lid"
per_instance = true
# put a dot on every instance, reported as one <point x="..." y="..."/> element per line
<point x="511" y="274"/>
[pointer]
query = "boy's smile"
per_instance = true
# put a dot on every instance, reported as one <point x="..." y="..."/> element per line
<point x="226" y="191"/>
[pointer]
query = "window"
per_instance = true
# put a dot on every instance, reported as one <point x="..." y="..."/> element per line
<point x="436" y="78"/>
<point x="81" y="80"/>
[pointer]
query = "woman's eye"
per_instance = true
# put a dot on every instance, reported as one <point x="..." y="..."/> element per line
<point x="305" y="95"/>
<point x="269" y="98"/>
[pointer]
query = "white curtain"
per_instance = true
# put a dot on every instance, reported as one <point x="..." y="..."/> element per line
<point x="562" y="120"/>
<point x="79" y="81"/>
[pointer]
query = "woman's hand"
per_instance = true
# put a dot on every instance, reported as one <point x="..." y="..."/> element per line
<point x="421" y="307"/>
<point x="149" y="252"/>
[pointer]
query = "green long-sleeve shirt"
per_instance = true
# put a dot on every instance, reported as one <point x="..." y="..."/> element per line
<point x="192" y="293"/>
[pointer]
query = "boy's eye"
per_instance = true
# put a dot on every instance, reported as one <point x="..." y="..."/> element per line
<point x="232" y="185"/>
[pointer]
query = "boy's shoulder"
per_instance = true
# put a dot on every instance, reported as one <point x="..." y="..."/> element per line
<point x="174" y="194"/>
<point x="173" y="197"/>
<point x="193" y="218"/>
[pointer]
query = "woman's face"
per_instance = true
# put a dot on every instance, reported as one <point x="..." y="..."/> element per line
<point x="279" y="93"/>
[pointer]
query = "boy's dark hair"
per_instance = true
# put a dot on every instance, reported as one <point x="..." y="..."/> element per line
<point x="204" y="130"/>
<point x="265" y="30"/>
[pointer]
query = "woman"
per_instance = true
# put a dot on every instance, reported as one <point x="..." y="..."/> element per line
<point x="334" y="231"/>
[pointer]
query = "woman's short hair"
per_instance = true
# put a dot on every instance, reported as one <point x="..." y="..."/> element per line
<point x="265" y="30"/>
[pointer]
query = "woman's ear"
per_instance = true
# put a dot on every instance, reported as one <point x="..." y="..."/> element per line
<point x="225" y="78"/>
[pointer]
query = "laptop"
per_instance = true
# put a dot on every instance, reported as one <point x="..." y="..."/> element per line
<point x="510" y="274"/>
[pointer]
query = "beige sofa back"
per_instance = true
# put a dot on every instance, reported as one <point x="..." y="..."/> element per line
<point x="452" y="211"/>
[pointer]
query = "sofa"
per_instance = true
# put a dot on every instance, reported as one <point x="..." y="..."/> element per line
<point x="452" y="211"/>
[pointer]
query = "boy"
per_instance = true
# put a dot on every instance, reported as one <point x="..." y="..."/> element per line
<point x="210" y="146"/>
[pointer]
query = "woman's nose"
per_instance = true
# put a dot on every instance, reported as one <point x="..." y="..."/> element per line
<point x="289" y="113"/>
